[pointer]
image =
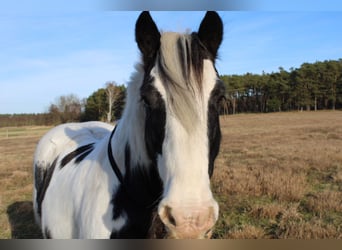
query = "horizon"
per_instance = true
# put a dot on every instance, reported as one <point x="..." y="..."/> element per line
<point x="46" y="55"/>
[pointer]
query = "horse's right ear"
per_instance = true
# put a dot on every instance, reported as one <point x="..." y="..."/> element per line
<point x="147" y="36"/>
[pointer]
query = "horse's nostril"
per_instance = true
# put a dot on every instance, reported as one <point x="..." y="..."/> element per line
<point x="157" y="229"/>
<point x="208" y="234"/>
<point x="168" y="216"/>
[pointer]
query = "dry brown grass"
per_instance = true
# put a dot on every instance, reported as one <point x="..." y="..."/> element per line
<point x="277" y="176"/>
<point x="16" y="154"/>
<point x="246" y="232"/>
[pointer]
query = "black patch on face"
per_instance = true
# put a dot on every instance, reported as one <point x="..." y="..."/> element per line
<point x="214" y="131"/>
<point x="42" y="180"/>
<point x="155" y="119"/>
<point x="80" y="153"/>
<point x="137" y="197"/>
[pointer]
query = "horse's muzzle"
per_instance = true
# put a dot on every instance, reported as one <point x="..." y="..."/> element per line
<point x="187" y="222"/>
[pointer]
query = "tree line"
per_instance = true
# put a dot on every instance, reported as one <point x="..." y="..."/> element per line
<point x="313" y="86"/>
<point x="105" y="104"/>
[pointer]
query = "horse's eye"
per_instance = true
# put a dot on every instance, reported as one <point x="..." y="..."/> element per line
<point x="146" y="102"/>
<point x="151" y="98"/>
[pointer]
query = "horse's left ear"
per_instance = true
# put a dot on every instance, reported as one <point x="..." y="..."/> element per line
<point x="211" y="31"/>
<point x="147" y="36"/>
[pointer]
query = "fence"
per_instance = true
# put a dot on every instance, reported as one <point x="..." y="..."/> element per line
<point x="17" y="132"/>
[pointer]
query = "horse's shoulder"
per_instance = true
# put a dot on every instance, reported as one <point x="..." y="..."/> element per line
<point x="69" y="136"/>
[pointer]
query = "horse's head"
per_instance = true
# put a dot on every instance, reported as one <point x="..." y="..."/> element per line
<point x="180" y="92"/>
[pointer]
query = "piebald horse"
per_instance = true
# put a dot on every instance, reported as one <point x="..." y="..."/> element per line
<point x="93" y="180"/>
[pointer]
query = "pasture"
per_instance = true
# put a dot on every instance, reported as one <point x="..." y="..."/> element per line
<point x="277" y="175"/>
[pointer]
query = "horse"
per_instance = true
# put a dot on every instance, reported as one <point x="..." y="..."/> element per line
<point x="96" y="180"/>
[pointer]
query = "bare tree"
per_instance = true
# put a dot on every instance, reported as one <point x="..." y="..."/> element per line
<point x="112" y="93"/>
<point x="67" y="107"/>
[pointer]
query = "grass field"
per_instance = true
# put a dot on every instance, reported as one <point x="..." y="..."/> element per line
<point x="17" y="146"/>
<point x="277" y="176"/>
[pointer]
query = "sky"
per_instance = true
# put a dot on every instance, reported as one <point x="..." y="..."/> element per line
<point x="49" y="50"/>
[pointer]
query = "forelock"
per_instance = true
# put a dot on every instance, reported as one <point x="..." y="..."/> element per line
<point x="180" y="69"/>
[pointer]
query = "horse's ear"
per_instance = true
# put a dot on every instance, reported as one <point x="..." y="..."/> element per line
<point x="211" y="31"/>
<point x="147" y="36"/>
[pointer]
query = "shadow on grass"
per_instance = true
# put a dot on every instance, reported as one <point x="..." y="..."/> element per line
<point x="21" y="219"/>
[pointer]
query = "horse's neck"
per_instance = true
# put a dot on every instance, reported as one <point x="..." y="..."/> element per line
<point x="130" y="137"/>
<point x="131" y="128"/>
<point x="142" y="189"/>
<point x="129" y="151"/>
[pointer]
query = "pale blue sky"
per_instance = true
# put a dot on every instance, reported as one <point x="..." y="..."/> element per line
<point x="48" y="51"/>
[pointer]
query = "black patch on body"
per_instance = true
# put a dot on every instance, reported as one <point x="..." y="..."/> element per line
<point x="137" y="197"/>
<point x="79" y="153"/>
<point x="43" y="175"/>
<point x="42" y="181"/>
